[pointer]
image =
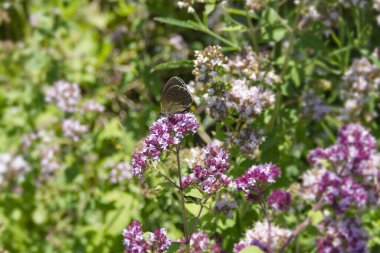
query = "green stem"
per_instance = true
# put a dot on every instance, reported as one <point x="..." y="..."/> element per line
<point x="252" y="32"/>
<point x="182" y="197"/>
<point x="289" y="52"/>
<point x="199" y="215"/>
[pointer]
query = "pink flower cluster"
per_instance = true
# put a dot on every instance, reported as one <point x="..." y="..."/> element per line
<point x="134" y="241"/>
<point x="164" y="133"/>
<point x="351" y="180"/>
<point x="211" y="174"/>
<point x="254" y="180"/>
<point x="200" y="243"/>
<point x="355" y="144"/>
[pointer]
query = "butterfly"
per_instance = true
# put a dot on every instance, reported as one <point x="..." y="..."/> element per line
<point x="175" y="97"/>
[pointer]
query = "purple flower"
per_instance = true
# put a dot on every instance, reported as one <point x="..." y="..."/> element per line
<point x="211" y="174"/>
<point x="134" y="241"/>
<point x="342" y="193"/>
<point x="254" y="180"/>
<point x="359" y="139"/>
<point x="164" y="133"/>
<point x="240" y="246"/>
<point x="354" y="145"/>
<point x="342" y="235"/>
<point x="279" y="200"/>
<point x="345" y="174"/>
<point x="159" y="241"/>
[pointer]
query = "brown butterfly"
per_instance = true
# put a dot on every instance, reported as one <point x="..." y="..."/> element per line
<point x="175" y="97"/>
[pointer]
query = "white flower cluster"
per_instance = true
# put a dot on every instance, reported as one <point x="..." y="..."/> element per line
<point x="260" y="234"/>
<point x="376" y="6"/>
<point x="121" y="172"/>
<point x="241" y="84"/>
<point x="249" y="101"/>
<point x="92" y="106"/>
<point x="325" y="11"/>
<point x="255" y="5"/>
<point x="12" y="167"/>
<point x="67" y="96"/>
<point x="45" y="149"/>
<point x="248" y="141"/>
<point x="73" y="129"/>
<point x="360" y="84"/>
<point x="188" y="4"/>
<point x="310" y="183"/>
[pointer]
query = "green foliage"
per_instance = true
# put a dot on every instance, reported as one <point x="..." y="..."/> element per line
<point x="120" y="53"/>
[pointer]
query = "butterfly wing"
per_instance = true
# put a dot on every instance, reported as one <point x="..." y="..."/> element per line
<point x="176" y="99"/>
<point x="172" y="82"/>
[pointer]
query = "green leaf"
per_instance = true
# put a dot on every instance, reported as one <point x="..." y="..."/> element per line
<point x="193" y="208"/>
<point x="194" y="193"/>
<point x="184" y="24"/>
<point x="39" y="215"/>
<point x="173" y="65"/>
<point x="252" y="249"/>
<point x="295" y="76"/>
<point x="209" y="8"/>
<point x="118" y="218"/>
<point x="311" y="40"/>
<point x="316" y="217"/>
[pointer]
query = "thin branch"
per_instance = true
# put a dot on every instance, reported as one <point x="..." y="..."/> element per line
<point x="302" y="226"/>
<point x="169" y="180"/>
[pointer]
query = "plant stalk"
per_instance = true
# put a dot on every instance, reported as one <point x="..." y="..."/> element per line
<point x="182" y="198"/>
